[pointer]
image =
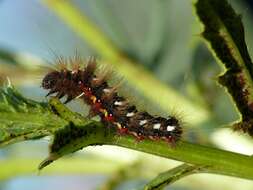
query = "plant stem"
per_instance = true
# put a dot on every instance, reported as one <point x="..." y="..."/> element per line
<point x="168" y="177"/>
<point x="73" y="132"/>
<point x="215" y="160"/>
<point x="212" y="160"/>
<point x="224" y="31"/>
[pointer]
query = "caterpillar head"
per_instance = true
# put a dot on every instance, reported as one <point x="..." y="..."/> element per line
<point x="50" y="80"/>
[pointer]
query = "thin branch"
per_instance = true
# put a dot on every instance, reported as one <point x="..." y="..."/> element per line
<point x="168" y="177"/>
<point x="213" y="160"/>
<point x="223" y="29"/>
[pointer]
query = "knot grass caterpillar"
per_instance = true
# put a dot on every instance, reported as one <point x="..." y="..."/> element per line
<point x="104" y="100"/>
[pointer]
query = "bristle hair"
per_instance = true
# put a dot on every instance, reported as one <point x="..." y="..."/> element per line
<point x="91" y="85"/>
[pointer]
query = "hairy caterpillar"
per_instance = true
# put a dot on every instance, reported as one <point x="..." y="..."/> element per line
<point x="114" y="110"/>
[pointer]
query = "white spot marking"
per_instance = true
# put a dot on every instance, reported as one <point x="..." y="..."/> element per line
<point x="130" y="114"/>
<point x="117" y="103"/>
<point x="157" y="126"/>
<point x="79" y="96"/>
<point x="143" y="122"/>
<point x="106" y="90"/>
<point x="170" y="128"/>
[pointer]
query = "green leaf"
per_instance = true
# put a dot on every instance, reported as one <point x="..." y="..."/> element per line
<point x="24" y="119"/>
<point x="168" y="177"/>
<point x="223" y="29"/>
<point x="73" y="136"/>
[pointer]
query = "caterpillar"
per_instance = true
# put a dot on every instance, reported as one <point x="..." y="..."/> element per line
<point x="104" y="100"/>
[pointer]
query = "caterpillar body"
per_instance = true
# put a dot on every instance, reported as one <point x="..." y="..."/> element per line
<point x="114" y="110"/>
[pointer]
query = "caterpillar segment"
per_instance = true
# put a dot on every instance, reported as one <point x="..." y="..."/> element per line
<point x="114" y="110"/>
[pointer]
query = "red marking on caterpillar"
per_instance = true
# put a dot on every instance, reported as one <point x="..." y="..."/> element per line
<point x="114" y="110"/>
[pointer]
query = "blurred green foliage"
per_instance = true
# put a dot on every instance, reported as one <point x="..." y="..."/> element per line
<point x="161" y="37"/>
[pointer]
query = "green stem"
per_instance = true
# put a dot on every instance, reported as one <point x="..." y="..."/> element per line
<point x="20" y="116"/>
<point x="213" y="160"/>
<point x="168" y="177"/>
<point x="224" y="31"/>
